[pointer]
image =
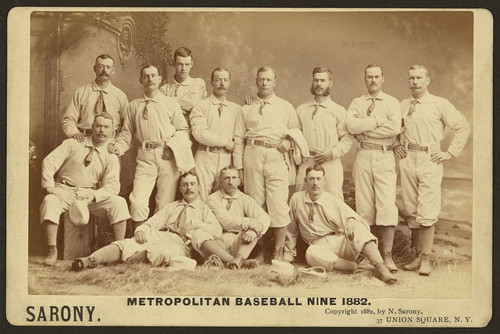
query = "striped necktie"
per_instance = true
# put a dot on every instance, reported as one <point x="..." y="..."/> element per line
<point x="145" y="111"/>
<point x="412" y="107"/>
<point x="88" y="158"/>
<point x="316" y="108"/>
<point x="371" y="107"/>
<point x="262" y="105"/>
<point x="100" y="107"/>
<point x="312" y="212"/>
<point x="229" y="203"/>
<point x="221" y="107"/>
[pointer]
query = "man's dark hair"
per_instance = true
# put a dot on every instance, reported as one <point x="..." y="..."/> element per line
<point x="182" y="52"/>
<point x="219" y="69"/>
<point x="186" y="174"/>
<point x="323" y="70"/>
<point x="374" y="65"/>
<point x="105" y="56"/>
<point x="148" y="66"/>
<point x="104" y="115"/>
<point x="315" y="167"/>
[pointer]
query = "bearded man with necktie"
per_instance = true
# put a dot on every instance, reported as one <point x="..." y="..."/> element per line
<point x="172" y="232"/>
<point x="425" y="116"/>
<point x="337" y="237"/>
<point x="324" y="125"/>
<point x="85" y="170"/>
<point x="375" y="120"/>
<point x="212" y="125"/>
<point x="93" y="99"/>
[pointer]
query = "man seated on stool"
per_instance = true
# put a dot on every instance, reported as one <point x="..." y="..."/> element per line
<point x="337" y="236"/>
<point x="85" y="171"/>
<point x="242" y="219"/>
<point x="166" y="235"/>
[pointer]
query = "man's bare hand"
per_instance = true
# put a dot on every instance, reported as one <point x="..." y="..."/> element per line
<point x="250" y="99"/>
<point x="167" y="153"/>
<point x="323" y="156"/>
<point x="285" y="145"/>
<point x="400" y="151"/>
<point x="350" y="225"/>
<point x="439" y="157"/>
<point x="112" y="149"/>
<point x="230" y="146"/>
<point x="79" y="136"/>
<point x="249" y="236"/>
<point x="140" y="237"/>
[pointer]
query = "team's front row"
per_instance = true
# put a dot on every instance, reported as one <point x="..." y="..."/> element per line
<point x="228" y="225"/>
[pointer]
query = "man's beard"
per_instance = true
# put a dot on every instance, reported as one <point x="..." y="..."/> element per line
<point x="326" y="91"/>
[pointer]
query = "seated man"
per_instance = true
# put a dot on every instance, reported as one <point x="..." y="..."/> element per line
<point x="242" y="220"/>
<point x="336" y="235"/>
<point x="165" y="235"/>
<point x="85" y="171"/>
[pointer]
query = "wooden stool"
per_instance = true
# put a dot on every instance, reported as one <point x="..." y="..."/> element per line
<point x="77" y="241"/>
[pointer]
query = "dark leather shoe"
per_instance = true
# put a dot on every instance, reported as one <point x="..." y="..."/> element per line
<point x="51" y="258"/>
<point x="425" y="265"/>
<point x="389" y="262"/>
<point x="384" y="274"/>
<point x="413" y="265"/>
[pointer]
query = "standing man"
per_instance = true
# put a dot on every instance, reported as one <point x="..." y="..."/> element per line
<point x="164" y="151"/>
<point x="166" y="235"/>
<point x="375" y="120"/>
<point x="85" y="171"/>
<point x="260" y="145"/>
<point x="186" y="90"/>
<point x="424" y="118"/>
<point x="212" y="125"/>
<point x="93" y="99"/>
<point x="336" y="235"/>
<point x="243" y="222"/>
<point x="324" y="127"/>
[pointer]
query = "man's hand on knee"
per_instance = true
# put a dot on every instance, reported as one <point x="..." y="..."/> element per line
<point x="350" y="225"/>
<point x="140" y="237"/>
<point x="249" y="236"/>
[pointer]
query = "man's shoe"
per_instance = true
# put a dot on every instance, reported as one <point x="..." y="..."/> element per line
<point x="235" y="264"/>
<point x="389" y="262"/>
<point x="425" y="265"/>
<point x="83" y="262"/>
<point x="213" y="261"/>
<point x="51" y="258"/>
<point x="250" y="264"/>
<point x="279" y="254"/>
<point x="413" y="265"/>
<point x="384" y="274"/>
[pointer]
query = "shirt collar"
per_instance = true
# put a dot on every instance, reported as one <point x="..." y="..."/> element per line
<point x="88" y="143"/>
<point x="237" y="195"/>
<point x="321" y="200"/>
<point x="381" y="95"/>
<point x="153" y="99"/>
<point x="272" y="100"/>
<point x="214" y="100"/>
<point x="184" y="83"/>
<point x="323" y="104"/>
<point x="423" y="98"/>
<point x="96" y="88"/>
<point x="195" y="204"/>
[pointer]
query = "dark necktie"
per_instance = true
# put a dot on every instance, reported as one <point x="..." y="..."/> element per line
<point x="229" y="202"/>
<point x="262" y="105"/>
<point x="177" y="89"/>
<point x="145" y="111"/>
<point x="221" y="107"/>
<point x="312" y="212"/>
<point x="88" y="158"/>
<point x="412" y="107"/>
<point x="100" y="107"/>
<point x="371" y="107"/>
<point x="316" y="108"/>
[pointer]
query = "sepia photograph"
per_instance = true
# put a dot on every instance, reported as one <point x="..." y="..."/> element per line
<point x="293" y="167"/>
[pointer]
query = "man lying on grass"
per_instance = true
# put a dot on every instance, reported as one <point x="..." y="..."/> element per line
<point x="169" y="233"/>
<point x="337" y="236"/>
<point x="242" y="219"/>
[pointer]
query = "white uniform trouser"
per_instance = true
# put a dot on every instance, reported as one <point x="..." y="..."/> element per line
<point x="325" y="251"/>
<point x="334" y="176"/>
<point x="160" y="247"/>
<point x="266" y="180"/>
<point x="230" y="242"/>
<point x="151" y="169"/>
<point x="421" y="188"/>
<point x="208" y="166"/>
<point x="374" y="174"/>
<point x="114" y="207"/>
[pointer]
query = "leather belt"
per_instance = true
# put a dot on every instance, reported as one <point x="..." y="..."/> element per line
<point x="186" y="240"/>
<point x="66" y="183"/>
<point x="416" y="147"/>
<point x="375" y="147"/>
<point x="213" y="149"/>
<point x="266" y="144"/>
<point x="152" y="144"/>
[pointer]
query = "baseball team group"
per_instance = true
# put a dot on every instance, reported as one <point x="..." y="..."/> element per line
<point x="207" y="147"/>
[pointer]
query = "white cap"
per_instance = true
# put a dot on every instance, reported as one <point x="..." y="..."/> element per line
<point x="79" y="212"/>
